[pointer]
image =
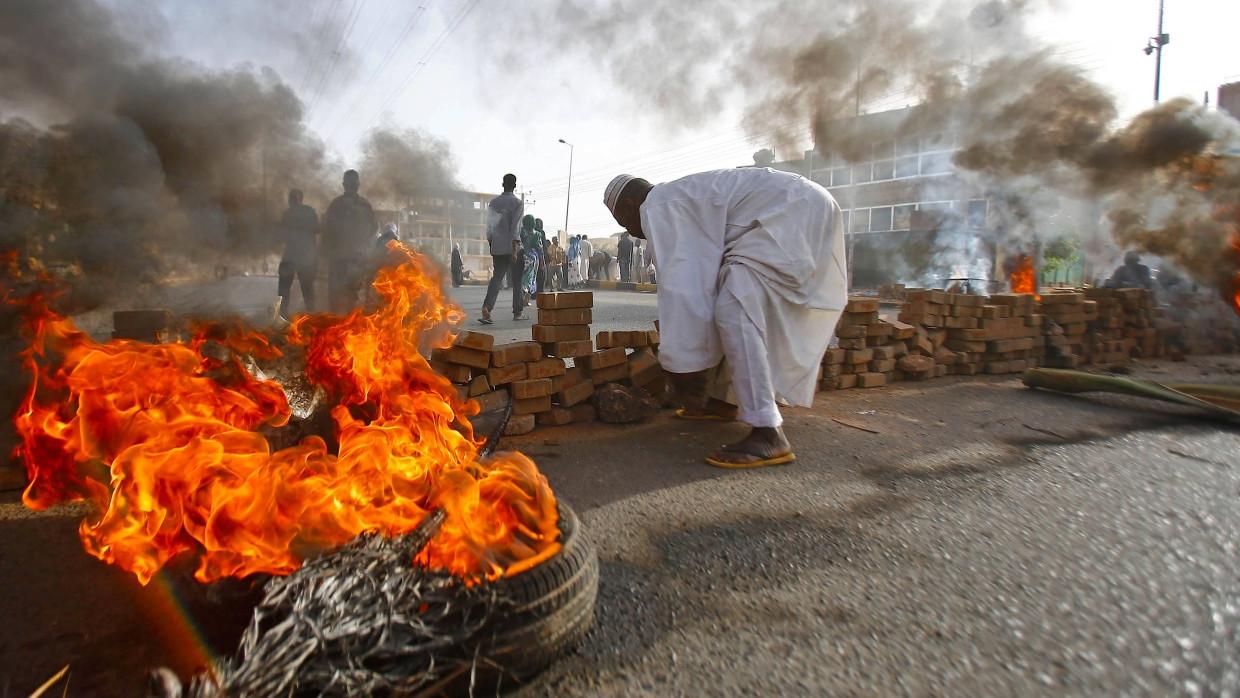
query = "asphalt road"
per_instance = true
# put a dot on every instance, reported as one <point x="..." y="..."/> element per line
<point x="961" y="536"/>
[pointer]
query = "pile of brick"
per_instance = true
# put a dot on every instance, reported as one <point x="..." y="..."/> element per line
<point x="868" y="348"/>
<point x="966" y="333"/>
<point x="536" y="376"/>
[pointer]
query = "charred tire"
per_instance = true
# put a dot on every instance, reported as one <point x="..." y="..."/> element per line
<point x="553" y="608"/>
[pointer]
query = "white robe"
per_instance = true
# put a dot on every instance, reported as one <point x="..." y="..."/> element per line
<point x="774" y="242"/>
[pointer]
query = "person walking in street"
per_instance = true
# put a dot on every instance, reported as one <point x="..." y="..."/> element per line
<point x="544" y="257"/>
<point x="531" y="246"/>
<point x="349" y="228"/>
<point x="557" y="256"/>
<point x="504" y="238"/>
<point x="624" y="255"/>
<point x="458" y="266"/>
<point x="299" y="227"/>
<point x="752" y="281"/>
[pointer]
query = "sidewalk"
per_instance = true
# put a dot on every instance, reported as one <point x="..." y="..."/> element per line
<point x="621" y="286"/>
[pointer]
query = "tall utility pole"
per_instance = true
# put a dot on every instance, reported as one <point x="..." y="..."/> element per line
<point x="569" y="197"/>
<point x="1155" y="45"/>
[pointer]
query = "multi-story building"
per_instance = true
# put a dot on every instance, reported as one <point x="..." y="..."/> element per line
<point x="910" y="217"/>
<point x="435" y="221"/>
<point x="1229" y="99"/>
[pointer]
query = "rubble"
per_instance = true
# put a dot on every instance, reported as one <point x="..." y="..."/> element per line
<point x="939" y="333"/>
<point x="929" y="333"/>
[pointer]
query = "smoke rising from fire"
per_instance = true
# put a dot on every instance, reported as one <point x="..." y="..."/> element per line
<point x="133" y="165"/>
<point x="1034" y="135"/>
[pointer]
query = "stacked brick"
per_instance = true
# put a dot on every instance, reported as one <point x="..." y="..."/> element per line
<point x="868" y="348"/>
<point x="1007" y="339"/>
<point x="491" y="374"/>
<point x="941" y="333"/>
<point x="536" y="376"/>
<point x="563" y="327"/>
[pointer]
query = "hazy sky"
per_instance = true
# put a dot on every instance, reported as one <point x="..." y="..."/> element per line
<point x="497" y="87"/>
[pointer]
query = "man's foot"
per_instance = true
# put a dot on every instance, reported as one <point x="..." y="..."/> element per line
<point x="519" y="317"/>
<point x="715" y="410"/>
<point x="763" y="446"/>
<point x="486" y="317"/>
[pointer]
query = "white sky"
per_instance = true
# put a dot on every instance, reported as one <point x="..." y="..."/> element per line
<point x="438" y="79"/>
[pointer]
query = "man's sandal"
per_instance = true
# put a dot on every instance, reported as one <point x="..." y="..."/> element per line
<point x="763" y="460"/>
<point x="683" y="413"/>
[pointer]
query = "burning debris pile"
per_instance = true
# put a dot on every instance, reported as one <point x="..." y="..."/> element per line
<point x="166" y="441"/>
<point x="395" y="540"/>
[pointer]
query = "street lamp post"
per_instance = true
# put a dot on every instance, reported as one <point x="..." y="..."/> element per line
<point x="569" y="198"/>
<point x="1155" y="44"/>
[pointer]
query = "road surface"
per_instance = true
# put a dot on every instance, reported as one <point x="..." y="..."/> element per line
<point x="960" y="536"/>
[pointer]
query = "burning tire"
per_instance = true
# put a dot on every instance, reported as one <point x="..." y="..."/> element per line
<point x="553" y="609"/>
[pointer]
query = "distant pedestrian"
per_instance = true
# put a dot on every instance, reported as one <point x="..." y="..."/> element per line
<point x="504" y="238"/>
<point x="600" y="265"/>
<point x="458" y="266"/>
<point x="544" y="258"/>
<point x="558" y="278"/>
<point x="348" y="231"/>
<point x="624" y="255"/>
<point x="574" y="262"/>
<point x="531" y="254"/>
<point x="1131" y="274"/>
<point x="586" y="258"/>
<point x="299" y="228"/>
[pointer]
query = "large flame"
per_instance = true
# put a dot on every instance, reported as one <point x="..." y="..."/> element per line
<point x="1022" y="276"/>
<point x="165" y="440"/>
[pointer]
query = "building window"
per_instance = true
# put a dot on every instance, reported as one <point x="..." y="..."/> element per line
<point x="880" y="219"/>
<point x="938" y="141"/>
<point x="884" y="170"/>
<point x="977" y="213"/>
<point x="861" y="173"/>
<point x="861" y="221"/>
<point x="902" y="217"/>
<point x="841" y="175"/>
<point x="936" y="163"/>
<point x="847" y="216"/>
<point x="908" y="146"/>
<point x="906" y="167"/>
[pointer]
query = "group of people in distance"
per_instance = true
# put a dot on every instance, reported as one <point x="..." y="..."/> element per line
<point x="348" y="231"/>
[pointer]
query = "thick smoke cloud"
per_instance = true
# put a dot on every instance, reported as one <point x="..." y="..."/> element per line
<point x="400" y="165"/>
<point x="1035" y="136"/>
<point x="133" y="165"/>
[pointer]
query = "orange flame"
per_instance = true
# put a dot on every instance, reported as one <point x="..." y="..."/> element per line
<point x="1022" y="276"/>
<point x="1235" y="282"/>
<point x="165" y="440"/>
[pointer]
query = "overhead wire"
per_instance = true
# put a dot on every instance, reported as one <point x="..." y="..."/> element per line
<point x="381" y="67"/>
<point x="350" y="21"/>
<point x="413" y="73"/>
<point x="320" y="45"/>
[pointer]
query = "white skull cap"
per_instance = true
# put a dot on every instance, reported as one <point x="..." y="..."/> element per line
<point x="611" y="195"/>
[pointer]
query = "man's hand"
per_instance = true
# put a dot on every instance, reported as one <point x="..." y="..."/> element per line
<point x="516" y="248"/>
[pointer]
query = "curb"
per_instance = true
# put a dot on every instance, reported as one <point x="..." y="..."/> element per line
<point x="603" y="285"/>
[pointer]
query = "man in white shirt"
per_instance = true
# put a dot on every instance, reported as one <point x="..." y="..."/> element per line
<point x="751" y="269"/>
<point x="584" y="259"/>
